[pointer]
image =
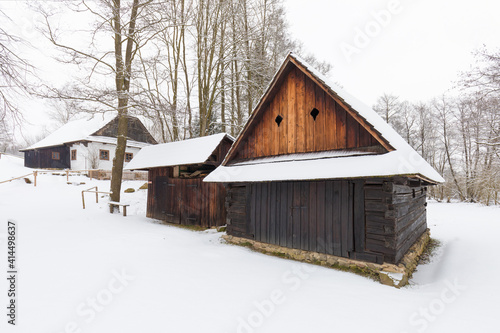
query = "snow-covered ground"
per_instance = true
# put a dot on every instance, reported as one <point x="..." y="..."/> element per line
<point x="12" y="167"/>
<point x="90" y="271"/>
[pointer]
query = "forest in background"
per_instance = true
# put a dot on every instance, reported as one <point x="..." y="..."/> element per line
<point x="198" y="67"/>
<point x="458" y="133"/>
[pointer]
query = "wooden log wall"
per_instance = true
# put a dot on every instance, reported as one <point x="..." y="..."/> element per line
<point x="42" y="158"/>
<point x="374" y="220"/>
<point x="395" y="212"/>
<point x="185" y="201"/>
<point x="31" y="159"/>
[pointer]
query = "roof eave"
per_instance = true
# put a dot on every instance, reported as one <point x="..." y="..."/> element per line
<point x="425" y="179"/>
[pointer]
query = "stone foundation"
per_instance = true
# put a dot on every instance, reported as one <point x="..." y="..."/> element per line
<point x="388" y="274"/>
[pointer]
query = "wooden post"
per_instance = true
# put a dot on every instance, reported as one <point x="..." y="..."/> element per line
<point x="96" y="195"/>
<point x="83" y="200"/>
<point x="67" y="175"/>
<point x="35" y="173"/>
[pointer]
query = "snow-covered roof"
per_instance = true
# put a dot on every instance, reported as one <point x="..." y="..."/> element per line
<point x="360" y="166"/>
<point x="191" y="151"/>
<point x="403" y="160"/>
<point x="82" y="130"/>
<point x="77" y="130"/>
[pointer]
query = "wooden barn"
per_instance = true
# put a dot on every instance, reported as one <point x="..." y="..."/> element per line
<point x="317" y="170"/>
<point x="88" y="143"/>
<point x="176" y="191"/>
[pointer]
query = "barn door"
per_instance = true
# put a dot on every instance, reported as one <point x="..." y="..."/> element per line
<point x="191" y="202"/>
<point x="160" y="197"/>
<point x="172" y="211"/>
<point x="299" y="215"/>
<point x="339" y="207"/>
<point x="319" y="216"/>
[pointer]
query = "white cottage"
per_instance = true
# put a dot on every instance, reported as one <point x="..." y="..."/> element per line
<point x="88" y="143"/>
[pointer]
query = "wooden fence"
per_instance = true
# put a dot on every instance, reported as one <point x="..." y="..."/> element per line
<point x="127" y="175"/>
<point x="92" y="174"/>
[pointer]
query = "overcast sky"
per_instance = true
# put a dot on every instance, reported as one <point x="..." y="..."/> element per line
<point x="411" y="48"/>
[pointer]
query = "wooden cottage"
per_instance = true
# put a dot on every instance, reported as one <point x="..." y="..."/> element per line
<point x="88" y="143"/>
<point x="315" y="169"/>
<point x="176" y="191"/>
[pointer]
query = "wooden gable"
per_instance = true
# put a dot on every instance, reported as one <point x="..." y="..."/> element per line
<point x="299" y="114"/>
<point x="135" y="130"/>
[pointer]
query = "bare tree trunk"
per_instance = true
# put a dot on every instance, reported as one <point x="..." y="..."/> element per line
<point x="14" y="74"/>
<point x="123" y="74"/>
<point x="238" y="119"/>
<point x="222" y="79"/>
<point x="209" y="25"/>
<point x="248" y="57"/>
<point x="443" y="111"/>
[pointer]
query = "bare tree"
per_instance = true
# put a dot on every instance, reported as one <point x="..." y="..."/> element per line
<point x="92" y="157"/>
<point x="408" y="122"/>
<point x="388" y="107"/>
<point x="14" y="74"/>
<point x="166" y="83"/>
<point x="485" y="73"/>
<point x="211" y="63"/>
<point x="210" y="23"/>
<point x="444" y="111"/>
<point x="459" y="136"/>
<point x="63" y="111"/>
<point x="119" y="21"/>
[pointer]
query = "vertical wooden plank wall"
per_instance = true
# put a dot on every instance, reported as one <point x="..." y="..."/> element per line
<point x="374" y="220"/>
<point x="299" y="132"/>
<point x="185" y="201"/>
<point x="42" y="158"/>
<point x="309" y="215"/>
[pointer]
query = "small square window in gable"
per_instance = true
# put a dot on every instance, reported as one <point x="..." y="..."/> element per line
<point x="128" y="157"/>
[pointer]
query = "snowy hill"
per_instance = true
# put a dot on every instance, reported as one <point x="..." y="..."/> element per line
<point x="12" y="167"/>
<point x="95" y="272"/>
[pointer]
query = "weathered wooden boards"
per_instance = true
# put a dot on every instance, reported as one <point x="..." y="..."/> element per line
<point x="185" y="201"/>
<point x="135" y="130"/>
<point x="299" y="132"/>
<point x="395" y="216"/>
<point x="310" y="215"/>
<point x="188" y="201"/>
<point x="374" y="220"/>
<point x="42" y="158"/>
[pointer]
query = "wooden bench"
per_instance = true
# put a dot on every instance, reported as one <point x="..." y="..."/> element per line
<point x="114" y="203"/>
